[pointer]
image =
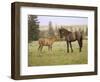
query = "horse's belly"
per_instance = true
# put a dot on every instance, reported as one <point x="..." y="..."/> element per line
<point x="47" y="43"/>
<point x="73" y="40"/>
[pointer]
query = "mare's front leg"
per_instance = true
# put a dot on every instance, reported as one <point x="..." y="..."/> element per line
<point x="67" y="46"/>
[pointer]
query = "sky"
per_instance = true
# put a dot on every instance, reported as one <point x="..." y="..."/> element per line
<point x="62" y="20"/>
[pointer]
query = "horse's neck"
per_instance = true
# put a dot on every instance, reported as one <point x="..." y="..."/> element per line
<point x="67" y="32"/>
<point x="53" y="39"/>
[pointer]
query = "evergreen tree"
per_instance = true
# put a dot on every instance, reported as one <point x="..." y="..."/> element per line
<point x="86" y="31"/>
<point x="56" y="30"/>
<point x="51" y="31"/>
<point x="33" y="28"/>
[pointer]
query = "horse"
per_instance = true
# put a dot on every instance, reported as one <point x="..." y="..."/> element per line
<point x="46" y="42"/>
<point x="71" y="37"/>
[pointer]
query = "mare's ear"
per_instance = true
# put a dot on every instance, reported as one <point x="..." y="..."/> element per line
<point x="61" y="27"/>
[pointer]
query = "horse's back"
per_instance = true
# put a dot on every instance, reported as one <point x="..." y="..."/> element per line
<point x="44" y="41"/>
<point x="71" y="36"/>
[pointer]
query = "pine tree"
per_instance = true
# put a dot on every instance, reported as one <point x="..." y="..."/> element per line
<point x="86" y="31"/>
<point x="51" y="31"/>
<point x="33" y="28"/>
<point x="56" y="30"/>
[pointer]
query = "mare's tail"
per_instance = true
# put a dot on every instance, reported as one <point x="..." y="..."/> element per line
<point x="81" y="39"/>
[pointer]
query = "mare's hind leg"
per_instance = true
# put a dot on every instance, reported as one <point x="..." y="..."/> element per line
<point x="80" y="47"/>
<point x="71" y="46"/>
<point x="67" y="46"/>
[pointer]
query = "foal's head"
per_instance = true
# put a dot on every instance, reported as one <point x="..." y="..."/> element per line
<point x="53" y="38"/>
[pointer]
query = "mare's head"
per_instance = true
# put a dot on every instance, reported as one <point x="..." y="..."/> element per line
<point x="62" y="32"/>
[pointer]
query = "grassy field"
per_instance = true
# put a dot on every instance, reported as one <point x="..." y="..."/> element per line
<point x="58" y="55"/>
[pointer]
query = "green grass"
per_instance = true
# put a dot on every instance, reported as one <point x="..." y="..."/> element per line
<point x="58" y="55"/>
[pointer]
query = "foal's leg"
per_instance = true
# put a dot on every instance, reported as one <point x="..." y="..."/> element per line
<point x="71" y="46"/>
<point x="67" y="46"/>
<point x="51" y="48"/>
<point x="48" y="48"/>
<point x="39" y="47"/>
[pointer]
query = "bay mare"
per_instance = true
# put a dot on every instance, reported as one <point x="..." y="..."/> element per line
<point x="71" y="37"/>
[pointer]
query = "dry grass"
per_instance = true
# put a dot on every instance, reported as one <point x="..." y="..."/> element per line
<point x="58" y="56"/>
